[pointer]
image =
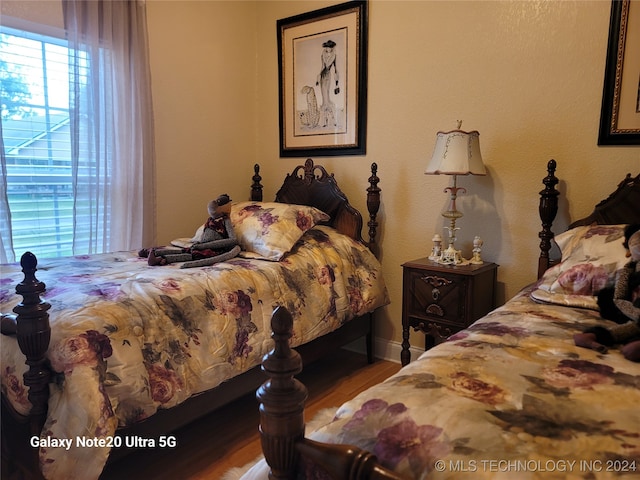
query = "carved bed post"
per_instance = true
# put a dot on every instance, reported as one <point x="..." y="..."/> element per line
<point x="281" y="401"/>
<point x="548" y="209"/>
<point x="256" y="186"/>
<point x="34" y="334"/>
<point x="373" y="205"/>
<point x="309" y="168"/>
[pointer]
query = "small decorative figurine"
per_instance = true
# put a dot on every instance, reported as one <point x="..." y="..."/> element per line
<point x="218" y="242"/>
<point x="476" y="259"/>
<point x="452" y="256"/>
<point x="436" y="251"/>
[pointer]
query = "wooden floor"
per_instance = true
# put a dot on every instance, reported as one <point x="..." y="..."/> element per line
<point x="229" y="438"/>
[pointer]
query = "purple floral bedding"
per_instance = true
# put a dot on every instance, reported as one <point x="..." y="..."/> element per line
<point x="129" y="339"/>
<point x="510" y="397"/>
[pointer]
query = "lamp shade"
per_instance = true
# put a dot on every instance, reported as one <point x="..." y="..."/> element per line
<point x="456" y="153"/>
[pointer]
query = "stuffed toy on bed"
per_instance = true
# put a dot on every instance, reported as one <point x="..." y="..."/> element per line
<point x="216" y="243"/>
<point x="621" y="304"/>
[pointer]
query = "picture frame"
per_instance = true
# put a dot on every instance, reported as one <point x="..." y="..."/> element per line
<point x="620" y="112"/>
<point x="322" y="80"/>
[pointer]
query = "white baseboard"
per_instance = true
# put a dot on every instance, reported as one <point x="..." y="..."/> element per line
<point x="383" y="349"/>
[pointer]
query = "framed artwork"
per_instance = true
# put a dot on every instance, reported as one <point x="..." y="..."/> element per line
<point x="322" y="79"/>
<point x="620" y="113"/>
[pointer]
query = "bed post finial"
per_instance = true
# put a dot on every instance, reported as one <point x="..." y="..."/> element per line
<point x="548" y="209"/>
<point x="256" y="186"/>
<point x="373" y="205"/>
<point x="281" y="400"/>
<point x="308" y="171"/>
<point x="34" y="333"/>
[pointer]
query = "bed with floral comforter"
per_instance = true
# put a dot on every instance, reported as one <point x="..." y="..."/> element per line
<point x="510" y="397"/>
<point x="129" y="339"/>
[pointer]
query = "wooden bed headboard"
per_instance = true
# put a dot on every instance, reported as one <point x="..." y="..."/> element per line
<point x="312" y="185"/>
<point x="621" y="207"/>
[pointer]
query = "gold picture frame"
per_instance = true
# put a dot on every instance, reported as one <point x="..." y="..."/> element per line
<point x="620" y="113"/>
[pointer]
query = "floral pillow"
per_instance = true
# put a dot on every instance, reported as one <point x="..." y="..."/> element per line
<point x="591" y="258"/>
<point x="269" y="230"/>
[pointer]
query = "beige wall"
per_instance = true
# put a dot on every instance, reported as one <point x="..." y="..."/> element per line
<point x="46" y="12"/>
<point x="203" y="68"/>
<point x="528" y="75"/>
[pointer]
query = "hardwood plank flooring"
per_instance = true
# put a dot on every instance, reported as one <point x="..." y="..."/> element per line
<point x="229" y="437"/>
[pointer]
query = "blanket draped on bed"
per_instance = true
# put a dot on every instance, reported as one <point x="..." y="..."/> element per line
<point x="509" y="397"/>
<point x="128" y="339"/>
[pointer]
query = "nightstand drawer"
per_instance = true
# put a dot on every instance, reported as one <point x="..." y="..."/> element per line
<point x="433" y="294"/>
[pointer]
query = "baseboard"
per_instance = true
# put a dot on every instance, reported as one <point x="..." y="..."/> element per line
<point x="383" y="349"/>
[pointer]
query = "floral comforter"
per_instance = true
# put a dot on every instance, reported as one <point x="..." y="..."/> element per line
<point x="129" y="339"/>
<point x="510" y="397"/>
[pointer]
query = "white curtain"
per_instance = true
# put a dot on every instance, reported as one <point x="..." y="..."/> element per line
<point x="111" y="124"/>
<point x="7" y="254"/>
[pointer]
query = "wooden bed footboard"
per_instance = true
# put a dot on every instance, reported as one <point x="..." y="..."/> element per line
<point x="31" y="326"/>
<point x="281" y="400"/>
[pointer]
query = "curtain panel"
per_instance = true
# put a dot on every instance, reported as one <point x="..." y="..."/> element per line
<point x="7" y="253"/>
<point x="111" y="124"/>
<point x="111" y="131"/>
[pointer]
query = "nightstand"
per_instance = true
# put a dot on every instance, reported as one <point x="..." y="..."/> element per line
<point x="440" y="300"/>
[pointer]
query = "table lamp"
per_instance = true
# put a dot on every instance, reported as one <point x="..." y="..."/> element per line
<point x="456" y="153"/>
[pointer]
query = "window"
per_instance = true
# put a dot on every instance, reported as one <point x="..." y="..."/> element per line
<point x="77" y="133"/>
<point x="37" y="142"/>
